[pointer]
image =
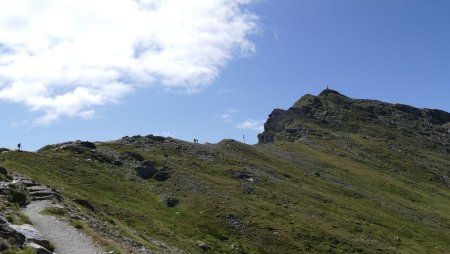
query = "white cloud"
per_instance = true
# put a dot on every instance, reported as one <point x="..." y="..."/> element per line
<point x="64" y="57"/>
<point x="228" y="115"/>
<point x="251" y="124"/>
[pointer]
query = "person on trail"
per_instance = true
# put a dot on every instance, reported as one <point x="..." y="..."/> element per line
<point x="18" y="146"/>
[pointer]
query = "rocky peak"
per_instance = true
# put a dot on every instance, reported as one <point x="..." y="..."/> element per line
<point x="330" y="111"/>
<point x="328" y="91"/>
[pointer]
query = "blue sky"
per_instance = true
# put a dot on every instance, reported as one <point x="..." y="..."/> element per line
<point x="395" y="51"/>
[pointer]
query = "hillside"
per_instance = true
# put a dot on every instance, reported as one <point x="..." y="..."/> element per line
<point x="331" y="174"/>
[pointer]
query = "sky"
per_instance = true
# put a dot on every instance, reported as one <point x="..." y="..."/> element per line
<point x="207" y="69"/>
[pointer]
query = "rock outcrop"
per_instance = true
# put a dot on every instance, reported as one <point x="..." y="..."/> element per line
<point x="18" y="191"/>
<point x="333" y="111"/>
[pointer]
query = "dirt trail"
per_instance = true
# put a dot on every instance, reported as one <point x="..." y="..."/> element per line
<point x="66" y="238"/>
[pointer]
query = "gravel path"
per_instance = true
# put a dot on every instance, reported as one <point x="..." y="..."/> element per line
<point x="67" y="239"/>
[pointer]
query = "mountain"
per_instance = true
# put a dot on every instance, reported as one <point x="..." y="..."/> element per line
<point x="331" y="174"/>
<point x="376" y="133"/>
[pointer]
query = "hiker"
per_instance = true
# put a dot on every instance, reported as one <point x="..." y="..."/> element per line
<point x="18" y="146"/>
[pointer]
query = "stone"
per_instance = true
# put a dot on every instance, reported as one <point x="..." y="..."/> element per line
<point x="203" y="246"/>
<point x="38" y="248"/>
<point x="246" y="176"/>
<point x="87" y="144"/>
<point x="28" y="183"/>
<point x="42" y="193"/>
<point x="162" y="174"/>
<point x="146" y="171"/>
<point x="10" y="234"/>
<point x="117" y="163"/>
<point x="32" y="235"/>
<point x="17" y="193"/>
<point x="156" y="138"/>
<point x="88" y="205"/>
<point x="171" y="202"/>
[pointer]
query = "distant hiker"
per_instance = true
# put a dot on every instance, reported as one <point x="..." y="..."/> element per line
<point x="18" y="146"/>
<point x="243" y="137"/>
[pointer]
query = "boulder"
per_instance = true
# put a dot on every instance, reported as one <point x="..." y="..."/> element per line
<point x="146" y="170"/>
<point x="246" y="176"/>
<point x="88" y="205"/>
<point x="38" y="248"/>
<point x="18" y="193"/>
<point x="87" y="144"/>
<point x="171" y="202"/>
<point x="32" y="235"/>
<point x="155" y="138"/>
<point x="162" y="174"/>
<point x="10" y="234"/>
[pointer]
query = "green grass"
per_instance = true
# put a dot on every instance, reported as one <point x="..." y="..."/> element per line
<point x="18" y="218"/>
<point x="25" y="250"/>
<point x="78" y="224"/>
<point x="353" y="207"/>
<point x="55" y="211"/>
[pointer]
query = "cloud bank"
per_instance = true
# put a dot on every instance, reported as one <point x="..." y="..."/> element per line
<point x="64" y="57"/>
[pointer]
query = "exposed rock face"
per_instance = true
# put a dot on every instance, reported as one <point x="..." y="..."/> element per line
<point x="17" y="190"/>
<point x="78" y="146"/>
<point x="18" y="193"/>
<point x="9" y="234"/>
<point x="32" y="235"/>
<point x="38" y="248"/>
<point x="88" y="205"/>
<point x="335" y="111"/>
<point x="332" y="118"/>
<point x="162" y="175"/>
<point x="147" y="170"/>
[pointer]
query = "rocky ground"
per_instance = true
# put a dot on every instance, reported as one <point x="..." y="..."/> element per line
<point x="43" y="234"/>
<point x="66" y="238"/>
<point x="51" y="224"/>
<point x="16" y="233"/>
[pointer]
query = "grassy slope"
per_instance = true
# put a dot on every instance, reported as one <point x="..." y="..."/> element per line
<point x="355" y="205"/>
